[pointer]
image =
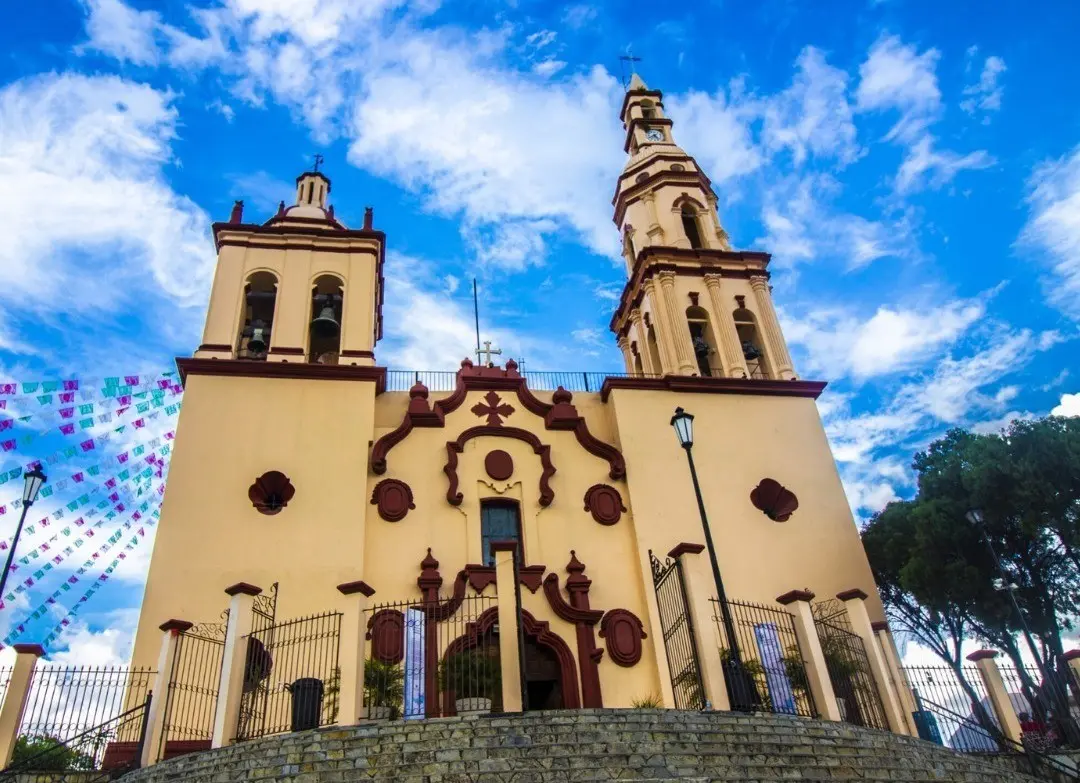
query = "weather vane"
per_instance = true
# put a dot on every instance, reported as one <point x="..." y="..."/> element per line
<point x="623" y="60"/>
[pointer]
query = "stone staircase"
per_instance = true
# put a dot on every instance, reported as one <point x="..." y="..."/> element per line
<point x="584" y="745"/>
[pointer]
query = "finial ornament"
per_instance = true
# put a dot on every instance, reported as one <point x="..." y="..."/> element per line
<point x="318" y="162"/>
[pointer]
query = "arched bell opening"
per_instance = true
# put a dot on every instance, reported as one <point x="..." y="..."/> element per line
<point x="324" y="340"/>
<point x="638" y="368"/>
<point x="257" y="321"/>
<point x="691" y="227"/>
<point x="648" y="110"/>
<point x="654" y="350"/>
<point x="750" y="342"/>
<point x="706" y="352"/>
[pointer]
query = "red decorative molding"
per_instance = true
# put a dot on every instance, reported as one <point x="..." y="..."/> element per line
<point x="1071" y="655"/>
<point x="386" y="631"/>
<point x="506" y="545"/>
<point x="577" y="611"/>
<point x="350" y="354"/>
<point x="174" y="748"/>
<point x="453" y="448"/>
<point x="531" y="576"/>
<point x="697" y="385"/>
<point x="214" y="347"/>
<point x="982" y="655"/>
<point x="493" y="408"/>
<point x="287" y="351"/>
<point x="623" y="631"/>
<point x="499" y="465"/>
<point x="605" y="504"/>
<point x="242" y="588"/>
<point x="352" y="588"/>
<point x="176" y="626"/>
<point x="854" y="593"/>
<point x="271" y="492"/>
<point x="773" y="499"/>
<point x="32" y="649"/>
<point x="393" y="498"/>
<point x="686" y="549"/>
<point x="791" y="596"/>
<point x="301" y="370"/>
<point x="480" y="576"/>
<point x="880" y="625"/>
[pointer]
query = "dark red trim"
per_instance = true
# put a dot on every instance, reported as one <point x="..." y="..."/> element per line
<point x="690" y="178"/>
<point x="982" y="655"/>
<point x="175" y="625"/>
<point x="393" y="498"/>
<point x="453" y="448"/>
<point x="214" y="347"/>
<point x="577" y="611"/>
<point x="791" y="596"/>
<point x="696" y="385"/>
<point x="531" y="576"/>
<point x="352" y="588"/>
<point x="287" y="351"/>
<point x="879" y="625"/>
<point x="622" y="631"/>
<point x="480" y="576"/>
<point x="358" y="354"/>
<point x="504" y="546"/>
<point x="1071" y="655"/>
<point x="242" y="588"/>
<point x="686" y="549"/>
<point x="639" y="94"/>
<point x="300" y="370"/>
<point x="604" y="503"/>
<point x="33" y="649"/>
<point x="174" y="748"/>
<point x="854" y="593"/>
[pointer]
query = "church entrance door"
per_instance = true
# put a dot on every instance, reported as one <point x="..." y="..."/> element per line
<point x="543" y="677"/>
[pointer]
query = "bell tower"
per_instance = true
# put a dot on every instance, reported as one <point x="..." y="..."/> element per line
<point x="692" y="305"/>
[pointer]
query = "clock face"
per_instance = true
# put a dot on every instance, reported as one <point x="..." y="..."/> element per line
<point x="654" y="134"/>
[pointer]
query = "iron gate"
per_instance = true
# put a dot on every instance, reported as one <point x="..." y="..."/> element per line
<point x="678" y="629"/>
<point x="191" y="698"/>
<point x="849" y="668"/>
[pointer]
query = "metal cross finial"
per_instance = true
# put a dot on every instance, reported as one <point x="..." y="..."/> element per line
<point x="318" y="162"/>
<point x="623" y="60"/>
<point x="488" y="351"/>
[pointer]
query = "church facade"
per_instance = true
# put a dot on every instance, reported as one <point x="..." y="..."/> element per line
<point x="294" y="465"/>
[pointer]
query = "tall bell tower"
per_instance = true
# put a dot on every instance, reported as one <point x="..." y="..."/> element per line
<point x="692" y="305"/>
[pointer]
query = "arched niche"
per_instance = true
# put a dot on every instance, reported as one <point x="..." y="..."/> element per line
<point x="753" y="348"/>
<point x="257" y="316"/>
<point x="702" y="338"/>
<point x="324" y="330"/>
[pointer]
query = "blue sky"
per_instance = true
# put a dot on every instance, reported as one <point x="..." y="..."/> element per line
<point x="913" y="167"/>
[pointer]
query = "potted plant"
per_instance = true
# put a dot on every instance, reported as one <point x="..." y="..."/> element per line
<point x="474" y="677"/>
<point x="384" y="689"/>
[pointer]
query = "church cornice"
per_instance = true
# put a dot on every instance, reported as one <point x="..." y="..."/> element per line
<point x="631" y="94"/>
<point x="659" y="157"/>
<point x="663" y="177"/>
<point x="698" y="385"/>
<point x="242" y="368"/>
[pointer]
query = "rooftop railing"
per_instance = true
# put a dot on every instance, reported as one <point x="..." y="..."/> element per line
<point x="446" y="380"/>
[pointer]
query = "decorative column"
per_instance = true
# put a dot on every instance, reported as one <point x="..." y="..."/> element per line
<point x="628" y="357"/>
<point x="353" y="629"/>
<point x="18" y="690"/>
<point x="676" y="322"/>
<point x="897" y="676"/>
<point x="997" y="693"/>
<point x="655" y="230"/>
<point x="643" y="344"/>
<point x="153" y="749"/>
<point x="509" y="634"/>
<point x="699" y="587"/>
<point x="817" y="672"/>
<point x="668" y="364"/>
<point x="778" y="351"/>
<point x="855" y="604"/>
<point x="577" y="587"/>
<point x="731" y="353"/>
<point x="233" y="663"/>
<point x="714" y="218"/>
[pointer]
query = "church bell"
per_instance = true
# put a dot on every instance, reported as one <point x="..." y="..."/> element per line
<point x="257" y="343"/>
<point x="325" y="325"/>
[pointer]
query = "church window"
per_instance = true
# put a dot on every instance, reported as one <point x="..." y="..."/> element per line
<point x="260" y="298"/>
<point x="642" y="177"/>
<point x="703" y="341"/>
<point x="327" y="297"/>
<point x="690" y="226"/>
<point x="500" y="520"/>
<point x="678" y="167"/>
<point x="750" y="341"/>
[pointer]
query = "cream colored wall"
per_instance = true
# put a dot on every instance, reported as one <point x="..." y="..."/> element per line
<point x="232" y="430"/>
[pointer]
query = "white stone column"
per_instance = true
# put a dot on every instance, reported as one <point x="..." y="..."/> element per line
<point x="668" y="364"/>
<point x="18" y="690"/>
<point x="153" y="749"/>
<point x="676" y="323"/>
<point x="700" y="587"/>
<point x="731" y="353"/>
<point x="855" y="603"/>
<point x="897" y="676"/>
<point x="817" y="671"/>
<point x="509" y="654"/>
<point x="770" y="325"/>
<point x="643" y="344"/>
<point x="234" y="662"/>
<point x="997" y="693"/>
<point x="628" y="357"/>
<point x="351" y="708"/>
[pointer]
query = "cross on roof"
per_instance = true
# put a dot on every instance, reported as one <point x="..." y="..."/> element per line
<point x="488" y="352"/>
<point x="318" y="162"/>
<point x="623" y="60"/>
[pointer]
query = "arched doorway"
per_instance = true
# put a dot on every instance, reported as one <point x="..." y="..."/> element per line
<point x="543" y="677"/>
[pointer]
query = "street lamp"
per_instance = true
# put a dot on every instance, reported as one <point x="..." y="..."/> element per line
<point x="32" y="481"/>
<point x="741" y="690"/>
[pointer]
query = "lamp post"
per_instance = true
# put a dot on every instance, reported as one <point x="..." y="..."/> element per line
<point x="32" y="481"/>
<point x="741" y="690"/>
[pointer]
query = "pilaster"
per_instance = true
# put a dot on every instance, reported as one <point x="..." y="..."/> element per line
<point x="628" y="357"/>
<point x="153" y="749"/>
<point x="643" y="344"/>
<point x="997" y="693"/>
<point x="233" y="664"/>
<point x="353" y="628"/>
<point x="855" y="604"/>
<point x="18" y="690"/>
<point x="774" y="338"/>
<point x="817" y="671"/>
<point x="731" y="354"/>
<point x="699" y="586"/>
<point x="676" y="324"/>
<point x="509" y="634"/>
<point x="668" y="363"/>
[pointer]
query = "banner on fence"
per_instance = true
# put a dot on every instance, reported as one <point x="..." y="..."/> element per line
<point x="415" y="704"/>
<point x="772" y="660"/>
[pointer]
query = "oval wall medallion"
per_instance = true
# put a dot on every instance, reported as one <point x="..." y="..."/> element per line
<point x="776" y="501"/>
<point x="623" y="632"/>
<point x="386" y="630"/>
<point x="499" y="465"/>
<point x="271" y="492"/>
<point x="393" y="498"/>
<point x="605" y="503"/>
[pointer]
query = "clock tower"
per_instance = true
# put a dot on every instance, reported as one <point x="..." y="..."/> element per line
<point x="692" y="305"/>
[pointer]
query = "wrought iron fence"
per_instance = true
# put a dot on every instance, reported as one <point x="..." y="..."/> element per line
<point x="65" y="701"/>
<point x="5" y="680"/>
<point x="191" y="698"/>
<point x="853" y="683"/>
<point x="446" y="380"/>
<point x="97" y="749"/>
<point x="953" y="708"/>
<point x="426" y="659"/>
<point x="769" y="672"/>
<point x="1043" y="704"/>
<point x="678" y="630"/>
<point x="291" y="676"/>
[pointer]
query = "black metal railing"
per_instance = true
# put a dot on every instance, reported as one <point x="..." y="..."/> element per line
<point x="192" y="694"/>
<point x="962" y="693"/>
<point x="446" y="380"/>
<point x="770" y="662"/>
<point x="1043" y="706"/>
<point x="291" y="676"/>
<point x="856" y="692"/>
<point x="5" y="680"/>
<point x="99" y="749"/>
<point x="65" y="701"/>
<point x="678" y="630"/>
<point x="432" y="659"/>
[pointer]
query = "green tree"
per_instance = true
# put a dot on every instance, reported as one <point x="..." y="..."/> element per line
<point x="42" y="753"/>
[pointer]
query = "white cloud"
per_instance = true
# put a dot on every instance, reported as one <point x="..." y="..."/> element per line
<point x="985" y="95"/>
<point x="120" y="31"/>
<point x="939" y="166"/>
<point x="577" y="16"/>
<point x="718" y="130"/>
<point x="1068" y="406"/>
<point x="110" y="646"/>
<point x="548" y="67"/>
<point x="1052" y="231"/>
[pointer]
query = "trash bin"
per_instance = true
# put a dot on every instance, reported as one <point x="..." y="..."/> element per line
<point x="307" y="699"/>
